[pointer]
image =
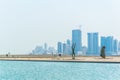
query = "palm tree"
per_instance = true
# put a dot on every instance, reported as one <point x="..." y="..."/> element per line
<point x="73" y="50"/>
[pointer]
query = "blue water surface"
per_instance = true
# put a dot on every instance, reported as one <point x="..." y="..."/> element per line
<point x="28" y="70"/>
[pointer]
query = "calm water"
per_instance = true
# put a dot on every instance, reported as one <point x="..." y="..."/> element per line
<point x="26" y="70"/>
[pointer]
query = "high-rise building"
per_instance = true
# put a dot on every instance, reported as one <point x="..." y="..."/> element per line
<point x="77" y="40"/>
<point x="68" y="42"/>
<point x="95" y="43"/>
<point x="90" y="44"/>
<point x="103" y="41"/>
<point x="64" y="48"/>
<point x="119" y="46"/>
<point x="45" y="48"/>
<point x="60" y="47"/>
<point x="115" y="46"/>
<point x="93" y="47"/>
<point x="68" y="47"/>
<point x="108" y="43"/>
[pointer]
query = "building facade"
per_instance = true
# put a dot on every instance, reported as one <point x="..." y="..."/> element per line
<point x="60" y="47"/>
<point x="115" y="47"/>
<point x="77" y="40"/>
<point x="108" y="42"/>
<point x="93" y="44"/>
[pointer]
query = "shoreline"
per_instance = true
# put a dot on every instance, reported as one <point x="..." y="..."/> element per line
<point x="89" y="59"/>
<point x="66" y="61"/>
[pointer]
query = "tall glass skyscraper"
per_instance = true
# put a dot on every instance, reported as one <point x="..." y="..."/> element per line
<point x="108" y="43"/>
<point x="115" y="46"/>
<point x="77" y="40"/>
<point x="68" y="46"/>
<point x="118" y="46"/>
<point x="90" y="43"/>
<point x="93" y="47"/>
<point x="103" y="41"/>
<point x="64" y="48"/>
<point x="95" y="44"/>
<point x="60" y="46"/>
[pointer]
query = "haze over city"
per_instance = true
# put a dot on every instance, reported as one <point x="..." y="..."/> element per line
<point x="27" y="23"/>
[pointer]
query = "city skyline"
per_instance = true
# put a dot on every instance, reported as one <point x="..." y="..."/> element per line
<point x="27" y="23"/>
<point x="93" y="47"/>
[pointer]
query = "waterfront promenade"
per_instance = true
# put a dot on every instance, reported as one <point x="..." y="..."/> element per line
<point x="62" y="58"/>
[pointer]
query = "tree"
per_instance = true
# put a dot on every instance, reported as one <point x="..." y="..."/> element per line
<point x="73" y="50"/>
<point x="102" y="54"/>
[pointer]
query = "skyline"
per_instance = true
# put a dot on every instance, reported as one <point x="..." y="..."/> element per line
<point x="94" y="44"/>
<point x="25" y="24"/>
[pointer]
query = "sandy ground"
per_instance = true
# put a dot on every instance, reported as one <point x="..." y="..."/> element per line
<point x="66" y="58"/>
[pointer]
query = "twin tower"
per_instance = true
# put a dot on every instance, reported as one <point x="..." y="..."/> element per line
<point x="93" y="47"/>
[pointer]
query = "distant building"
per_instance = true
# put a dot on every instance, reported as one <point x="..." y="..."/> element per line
<point x="93" y="47"/>
<point x="119" y="46"/>
<point x="90" y="44"/>
<point x="108" y="43"/>
<point x="60" y="47"/>
<point x="45" y="48"/>
<point x="84" y="50"/>
<point x="68" y="42"/>
<point x="115" y="47"/>
<point x="95" y="43"/>
<point x="51" y="50"/>
<point x="38" y="50"/>
<point x="68" y="47"/>
<point x="103" y="41"/>
<point x="77" y="40"/>
<point x="64" y="48"/>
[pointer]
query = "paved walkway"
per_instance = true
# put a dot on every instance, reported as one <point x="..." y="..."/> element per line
<point x="69" y="59"/>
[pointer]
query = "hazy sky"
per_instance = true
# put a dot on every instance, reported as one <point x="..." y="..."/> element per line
<point x="27" y="23"/>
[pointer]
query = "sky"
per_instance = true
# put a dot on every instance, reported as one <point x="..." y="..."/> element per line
<point x="25" y="24"/>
